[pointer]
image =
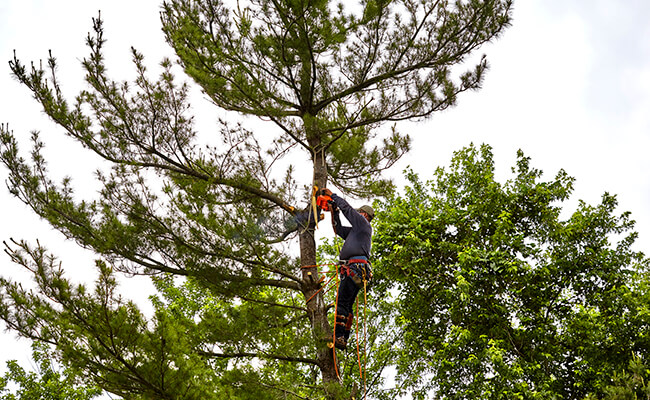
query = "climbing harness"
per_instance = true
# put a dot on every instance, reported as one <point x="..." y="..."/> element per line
<point x="358" y="275"/>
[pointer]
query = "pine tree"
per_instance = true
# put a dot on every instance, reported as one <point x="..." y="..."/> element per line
<point x="325" y="77"/>
<point x="47" y="382"/>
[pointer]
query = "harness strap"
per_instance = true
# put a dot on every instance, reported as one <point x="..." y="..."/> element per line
<point x="345" y="264"/>
<point x="348" y="323"/>
<point x="357" y="261"/>
<point x="346" y="270"/>
<point x="364" y="273"/>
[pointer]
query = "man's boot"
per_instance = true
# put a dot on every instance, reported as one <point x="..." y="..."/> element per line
<point x="340" y="340"/>
<point x="348" y="326"/>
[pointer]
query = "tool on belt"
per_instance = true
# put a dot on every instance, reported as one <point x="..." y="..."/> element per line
<point x="352" y="269"/>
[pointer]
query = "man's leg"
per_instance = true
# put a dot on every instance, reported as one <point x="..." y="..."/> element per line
<point x="348" y="291"/>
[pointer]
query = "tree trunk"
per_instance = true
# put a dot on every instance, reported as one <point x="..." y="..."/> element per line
<point x="317" y="309"/>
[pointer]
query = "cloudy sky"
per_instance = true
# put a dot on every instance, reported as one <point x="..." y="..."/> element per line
<point x="569" y="85"/>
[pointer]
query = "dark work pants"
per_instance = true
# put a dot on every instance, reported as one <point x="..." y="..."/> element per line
<point x="348" y="291"/>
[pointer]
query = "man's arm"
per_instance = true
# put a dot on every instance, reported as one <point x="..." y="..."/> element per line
<point x="339" y="229"/>
<point x="350" y="213"/>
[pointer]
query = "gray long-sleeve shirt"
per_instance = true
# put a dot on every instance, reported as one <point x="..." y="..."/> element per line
<point x="358" y="236"/>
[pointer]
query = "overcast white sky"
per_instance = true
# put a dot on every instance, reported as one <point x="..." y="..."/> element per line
<point x="569" y="85"/>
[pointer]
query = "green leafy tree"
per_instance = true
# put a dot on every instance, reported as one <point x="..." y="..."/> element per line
<point x="325" y="77"/>
<point x="503" y="296"/>
<point x="47" y="383"/>
<point x="631" y="384"/>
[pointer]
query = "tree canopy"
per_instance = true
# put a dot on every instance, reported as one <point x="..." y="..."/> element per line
<point x="252" y="321"/>
<point x="47" y="383"/>
<point x="505" y="294"/>
<point x="483" y="290"/>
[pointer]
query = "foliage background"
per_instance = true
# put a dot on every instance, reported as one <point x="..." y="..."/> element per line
<point x="551" y="91"/>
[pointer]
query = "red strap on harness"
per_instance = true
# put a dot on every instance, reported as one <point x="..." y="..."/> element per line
<point x="345" y="270"/>
<point x="357" y="261"/>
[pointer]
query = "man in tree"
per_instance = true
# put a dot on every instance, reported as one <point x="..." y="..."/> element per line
<point x="192" y="206"/>
<point x="354" y="258"/>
